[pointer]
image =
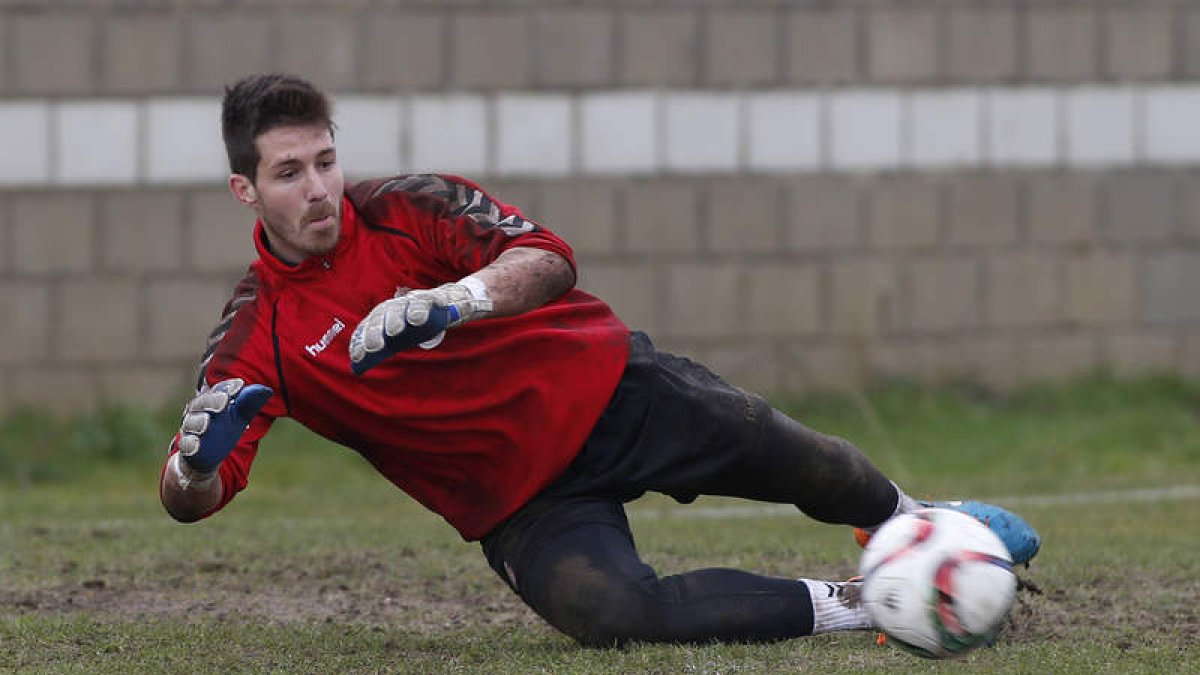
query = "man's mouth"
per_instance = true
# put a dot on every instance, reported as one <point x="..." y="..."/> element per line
<point x="322" y="219"/>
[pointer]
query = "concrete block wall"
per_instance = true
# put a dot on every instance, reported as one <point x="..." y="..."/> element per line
<point x="804" y="195"/>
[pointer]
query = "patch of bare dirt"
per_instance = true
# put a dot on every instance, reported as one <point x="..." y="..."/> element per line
<point x="1124" y="604"/>
<point x="373" y="589"/>
<point x="342" y="589"/>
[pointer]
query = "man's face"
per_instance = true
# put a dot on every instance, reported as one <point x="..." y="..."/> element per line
<point x="298" y="191"/>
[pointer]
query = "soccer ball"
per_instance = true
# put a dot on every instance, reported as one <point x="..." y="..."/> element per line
<point x="938" y="582"/>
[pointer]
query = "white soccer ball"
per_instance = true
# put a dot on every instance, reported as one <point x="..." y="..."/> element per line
<point x="938" y="582"/>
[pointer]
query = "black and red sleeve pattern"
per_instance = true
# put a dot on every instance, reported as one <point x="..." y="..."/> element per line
<point x="452" y="219"/>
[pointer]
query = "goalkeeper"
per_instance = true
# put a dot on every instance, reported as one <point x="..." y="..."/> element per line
<point x="435" y="330"/>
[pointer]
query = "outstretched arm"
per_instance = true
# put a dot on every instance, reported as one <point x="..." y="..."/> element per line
<point x="523" y="278"/>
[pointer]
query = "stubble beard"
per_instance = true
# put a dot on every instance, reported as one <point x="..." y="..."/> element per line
<point x="301" y="238"/>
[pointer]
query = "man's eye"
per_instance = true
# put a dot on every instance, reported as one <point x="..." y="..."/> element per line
<point x="287" y="174"/>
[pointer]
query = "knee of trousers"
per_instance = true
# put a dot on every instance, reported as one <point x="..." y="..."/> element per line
<point x="598" y="609"/>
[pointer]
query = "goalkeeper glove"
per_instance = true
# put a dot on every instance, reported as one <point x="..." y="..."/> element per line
<point x="214" y="420"/>
<point x="415" y="318"/>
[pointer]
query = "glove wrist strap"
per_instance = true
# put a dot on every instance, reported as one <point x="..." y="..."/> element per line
<point x="480" y="302"/>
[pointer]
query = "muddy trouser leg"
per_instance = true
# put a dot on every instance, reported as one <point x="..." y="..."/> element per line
<point x="674" y="427"/>
<point x="573" y="561"/>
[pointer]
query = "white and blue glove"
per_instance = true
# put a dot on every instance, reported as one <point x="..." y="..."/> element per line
<point x="214" y="420"/>
<point x="415" y="318"/>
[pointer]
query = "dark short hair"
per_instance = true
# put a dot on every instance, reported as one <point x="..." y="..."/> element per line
<point x="259" y="103"/>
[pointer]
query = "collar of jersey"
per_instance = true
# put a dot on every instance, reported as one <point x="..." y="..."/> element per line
<point x="314" y="265"/>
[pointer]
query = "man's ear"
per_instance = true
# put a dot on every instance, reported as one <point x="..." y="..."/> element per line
<point x="243" y="190"/>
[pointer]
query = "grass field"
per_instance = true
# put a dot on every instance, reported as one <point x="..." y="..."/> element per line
<point x="322" y="567"/>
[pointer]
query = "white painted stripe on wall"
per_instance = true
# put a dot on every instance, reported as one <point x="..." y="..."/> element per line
<point x="97" y="143"/>
<point x="784" y="132"/>
<point x="945" y="129"/>
<point x="1022" y="127"/>
<point x="450" y="133"/>
<point x="177" y="140"/>
<point x="866" y="130"/>
<point x="183" y="141"/>
<point x="1172" y="134"/>
<point x="534" y="135"/>
<point x="1099" y="124"/>
<point x="702" y="132"/>
<point x="25" y="137"/>
<point x="619" y="133"/>
<point x="369" y="133"/>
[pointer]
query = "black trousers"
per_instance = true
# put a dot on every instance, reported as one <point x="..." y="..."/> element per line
<point x="674" y="427"/>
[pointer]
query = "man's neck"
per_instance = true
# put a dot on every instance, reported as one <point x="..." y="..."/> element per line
<point x="266" y="242"/>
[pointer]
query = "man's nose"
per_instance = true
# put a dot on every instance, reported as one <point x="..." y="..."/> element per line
<point x="314" y="187"/>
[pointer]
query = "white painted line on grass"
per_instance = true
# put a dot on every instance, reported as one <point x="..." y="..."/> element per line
<point x="1162" y="494"/>
<point x="65" y="522"/>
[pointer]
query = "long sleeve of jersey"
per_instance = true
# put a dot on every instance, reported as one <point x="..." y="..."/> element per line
<point x="238" y="323"/>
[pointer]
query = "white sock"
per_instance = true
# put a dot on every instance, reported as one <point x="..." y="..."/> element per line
<point x="836" y="606"/>
<point x="904" y="503"/>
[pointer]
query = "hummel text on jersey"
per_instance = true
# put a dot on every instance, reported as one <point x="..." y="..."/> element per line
<point x="320" y="345"/>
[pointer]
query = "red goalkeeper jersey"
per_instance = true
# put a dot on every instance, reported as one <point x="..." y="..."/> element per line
<point x="471" y="428"/>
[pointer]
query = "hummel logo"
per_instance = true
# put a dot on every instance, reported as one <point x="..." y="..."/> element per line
<point x="326" y="339"/>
